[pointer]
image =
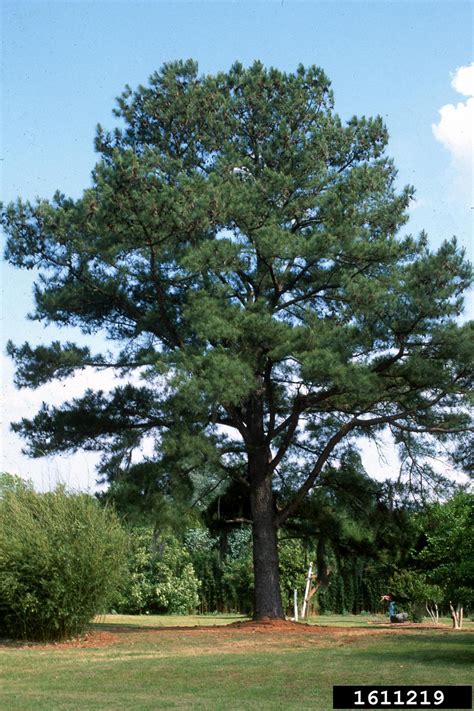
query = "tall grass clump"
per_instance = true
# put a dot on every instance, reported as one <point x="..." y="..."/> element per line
<point x="62" y="560"/>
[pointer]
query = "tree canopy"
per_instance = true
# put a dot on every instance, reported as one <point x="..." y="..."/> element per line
<point x="446" y="556"/>
<point x="239" y="245"/>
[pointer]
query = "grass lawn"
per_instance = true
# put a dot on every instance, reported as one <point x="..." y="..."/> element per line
<point x="368" y="620"/>
<point x="138" y="663"/>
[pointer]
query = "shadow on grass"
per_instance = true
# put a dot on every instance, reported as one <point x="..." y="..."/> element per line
<point x="125" y="628"/>
<point x="453" y="648"/>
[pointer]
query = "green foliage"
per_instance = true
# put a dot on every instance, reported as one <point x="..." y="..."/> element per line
<point x="447" y="554"/>
<point x="62" y="560"/>
<point x="162" y="577"/>
<point x="293" y="560"/>
<point x="354" y="584"/>
<point x="413" y="592"/>
<point x="203" y="550"/>
<point x="237" y="572"/>
<point x="147" y="496"/>
<point x="12" y="483"/>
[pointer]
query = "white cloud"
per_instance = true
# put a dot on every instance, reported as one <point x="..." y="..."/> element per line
<point x="455" y="129"/>
<point x="76" y="471"/>
<point x="463" y="80"/>
<point x="416" y="203"/>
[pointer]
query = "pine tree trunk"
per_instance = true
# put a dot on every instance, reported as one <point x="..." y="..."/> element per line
<point x="265" y="549"/>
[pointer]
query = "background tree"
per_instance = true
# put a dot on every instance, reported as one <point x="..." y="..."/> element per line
<point x="239" y="245"/>
<point x="447" y="541"/>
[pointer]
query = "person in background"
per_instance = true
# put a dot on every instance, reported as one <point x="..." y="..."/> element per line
<point x="392" y="610"/>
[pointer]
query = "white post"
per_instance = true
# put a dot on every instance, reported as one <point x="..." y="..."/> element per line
<point x="306" y="592"/>
<point x="295" y="603"/>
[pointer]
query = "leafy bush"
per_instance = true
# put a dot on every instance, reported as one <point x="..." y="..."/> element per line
<point x="411" y="589"/>
<point x="162" y="577"/>
<point x="62" y="559"/>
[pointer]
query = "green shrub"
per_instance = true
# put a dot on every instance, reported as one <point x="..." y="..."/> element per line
<point x="162" y="577"/>
<point x="412" y="591"/>
<point x="62" y="559"/>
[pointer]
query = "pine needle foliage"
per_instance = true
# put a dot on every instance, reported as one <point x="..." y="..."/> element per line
<point x="240" y="245"/>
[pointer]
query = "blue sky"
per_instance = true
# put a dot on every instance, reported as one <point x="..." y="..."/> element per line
<point x="64" y="62"/>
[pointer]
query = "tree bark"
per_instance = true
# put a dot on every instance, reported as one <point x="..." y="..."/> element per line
<point x="457" y="615"/>
<point x="267" y="601"/>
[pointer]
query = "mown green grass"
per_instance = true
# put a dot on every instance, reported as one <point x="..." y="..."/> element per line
<point x="206" y="669"/>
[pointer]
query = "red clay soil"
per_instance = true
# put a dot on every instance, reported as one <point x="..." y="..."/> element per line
<point x="288" y="626"/>
<point x="268" y="624"/>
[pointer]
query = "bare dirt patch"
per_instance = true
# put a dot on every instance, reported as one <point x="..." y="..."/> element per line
<point x="301" y="628"/>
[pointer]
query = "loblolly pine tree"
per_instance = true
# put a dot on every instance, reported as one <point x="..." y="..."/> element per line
<point x="239" y="246"/>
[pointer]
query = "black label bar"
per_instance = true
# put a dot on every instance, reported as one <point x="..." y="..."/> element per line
<point x="402" y="697"/>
